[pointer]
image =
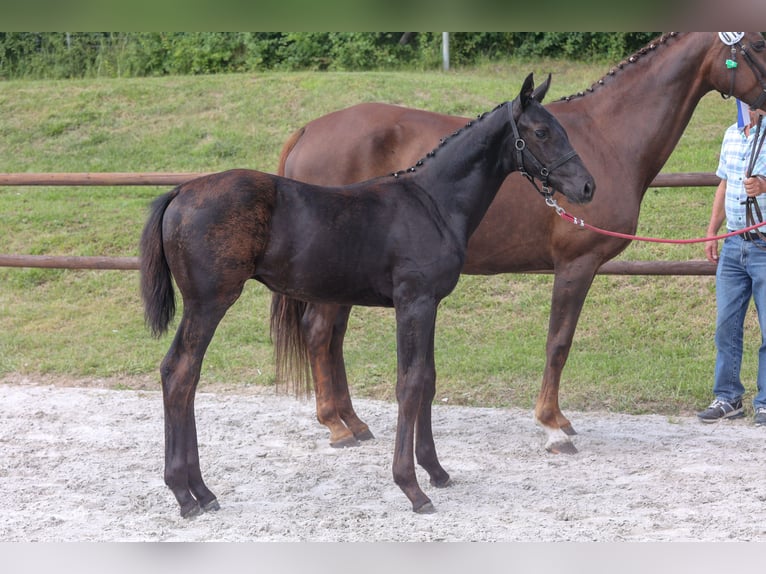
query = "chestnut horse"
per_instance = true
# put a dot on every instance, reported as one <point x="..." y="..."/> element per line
<point x="624" y="127"/>
<point x="396" y="241"/>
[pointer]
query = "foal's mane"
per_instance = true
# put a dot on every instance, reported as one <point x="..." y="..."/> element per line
<point x="443" y="141"/>
<point x="650" y="47"/>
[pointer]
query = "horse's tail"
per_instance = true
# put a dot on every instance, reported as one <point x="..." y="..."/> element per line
<point x="288" y="148"/>
<point x="156" y="280"/>
<point x="291" y="357"/>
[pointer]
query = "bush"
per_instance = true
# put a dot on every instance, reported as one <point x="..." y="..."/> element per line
<point x="55" y="55"/>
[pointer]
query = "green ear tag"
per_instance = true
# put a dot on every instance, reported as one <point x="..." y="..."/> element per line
<point x="730" y="64"/>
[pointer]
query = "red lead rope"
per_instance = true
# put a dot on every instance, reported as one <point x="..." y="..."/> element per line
<point x="581" y="223"/>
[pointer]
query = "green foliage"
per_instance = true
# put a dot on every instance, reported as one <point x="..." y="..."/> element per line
<point x="57" y="55"/>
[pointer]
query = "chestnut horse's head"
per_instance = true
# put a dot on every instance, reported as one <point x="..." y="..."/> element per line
<point x="737" y="63"/>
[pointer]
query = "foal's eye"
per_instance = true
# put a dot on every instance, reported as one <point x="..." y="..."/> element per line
<point x="541" y="134"/>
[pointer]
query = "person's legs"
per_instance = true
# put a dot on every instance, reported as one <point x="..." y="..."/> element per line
<point x="733" y="291"/>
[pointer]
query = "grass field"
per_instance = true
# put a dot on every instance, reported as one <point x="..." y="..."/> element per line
<point x="644" y="344"/>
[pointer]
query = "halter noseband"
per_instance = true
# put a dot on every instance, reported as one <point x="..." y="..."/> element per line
<point x="734" y="40"/>
<point x="543" y="172"/>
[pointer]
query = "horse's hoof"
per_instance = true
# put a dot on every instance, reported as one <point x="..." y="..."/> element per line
<point x="566" y="447"/>
<point x="191" y="510"/>
<point x="345" y="442"/>
<point x="559" y="443"/>
<point x="211" y="506"/>
<point x="569" y="430"/>
<point x="425" y="508"/>
<point x="365" y="435"/>
<point x="441" y="482"/>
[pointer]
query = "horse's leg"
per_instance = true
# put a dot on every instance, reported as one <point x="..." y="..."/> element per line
<point x="340" y="381"/>
<point x="317" y="325"/>
<point x="415" y="340"/>
<point x="180" y="371"/>
<point x="425" y="449"/>
<point x="570" y="287"/>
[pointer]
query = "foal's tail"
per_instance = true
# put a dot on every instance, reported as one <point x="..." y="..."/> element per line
<point x="291" y="357"/>
<point x="156" y="280"/>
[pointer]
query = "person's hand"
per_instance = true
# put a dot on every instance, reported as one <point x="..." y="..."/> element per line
<point x="711" y="250"/>
<point x="755" y="185"/>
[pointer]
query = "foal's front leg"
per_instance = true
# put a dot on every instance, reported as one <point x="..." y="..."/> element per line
<point x="425" y="449"/>
<point x="415" y="373"/>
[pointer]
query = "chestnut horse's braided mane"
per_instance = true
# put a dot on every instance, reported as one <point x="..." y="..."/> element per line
<point x="650" y="47"/>
<point x="445" y="139"/>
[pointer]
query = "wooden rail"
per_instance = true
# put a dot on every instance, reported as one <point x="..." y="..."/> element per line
<point x="692" y="267"/>
<point x="70" y="262"/>
<point x="104" y="178"/>
<point x="694" y="179"/>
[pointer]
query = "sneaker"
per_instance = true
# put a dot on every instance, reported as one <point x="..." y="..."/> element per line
<point x="760" y="417"/>
<point x="719" y="410"/>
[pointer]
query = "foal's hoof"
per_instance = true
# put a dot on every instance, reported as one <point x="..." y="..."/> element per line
<point x="211" y="506"/>
<point x="191" y="510"/>
<point x="425" y="508"/>
<point x="442" y="482"/>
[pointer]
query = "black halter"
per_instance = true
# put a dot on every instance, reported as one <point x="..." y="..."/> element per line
<point x="542" y="172"/>
<point x="755" y="67"/>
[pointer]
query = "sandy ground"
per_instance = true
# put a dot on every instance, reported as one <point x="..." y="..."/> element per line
<point x="85" y="464"/>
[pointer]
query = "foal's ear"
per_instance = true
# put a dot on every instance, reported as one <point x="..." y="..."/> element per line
<point x="527" y="91"/>
<point x="540" y="92"/>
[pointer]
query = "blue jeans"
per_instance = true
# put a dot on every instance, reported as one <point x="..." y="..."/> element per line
<point x="741" y="274"/>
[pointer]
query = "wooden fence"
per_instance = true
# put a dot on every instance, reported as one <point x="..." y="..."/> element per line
<point x="694" y="267"/>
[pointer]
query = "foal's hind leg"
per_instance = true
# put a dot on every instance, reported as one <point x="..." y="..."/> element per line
<point x="180" y="372"/>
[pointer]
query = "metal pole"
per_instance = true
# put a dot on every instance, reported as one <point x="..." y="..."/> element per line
<point x="445" y="51"/>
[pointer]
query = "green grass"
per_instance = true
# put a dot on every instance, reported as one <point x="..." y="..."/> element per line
<point x="643" y="344"/>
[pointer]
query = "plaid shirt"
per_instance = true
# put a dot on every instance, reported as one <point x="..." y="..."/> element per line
<point x="732" y="166"/>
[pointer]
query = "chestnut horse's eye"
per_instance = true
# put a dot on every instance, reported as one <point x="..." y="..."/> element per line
<point x="759" y="46"/>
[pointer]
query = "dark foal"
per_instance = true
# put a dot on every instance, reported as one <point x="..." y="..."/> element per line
<point x="396" y="241"/>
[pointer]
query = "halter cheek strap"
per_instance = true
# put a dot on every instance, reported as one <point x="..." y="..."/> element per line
<point x="542" y="172"/>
